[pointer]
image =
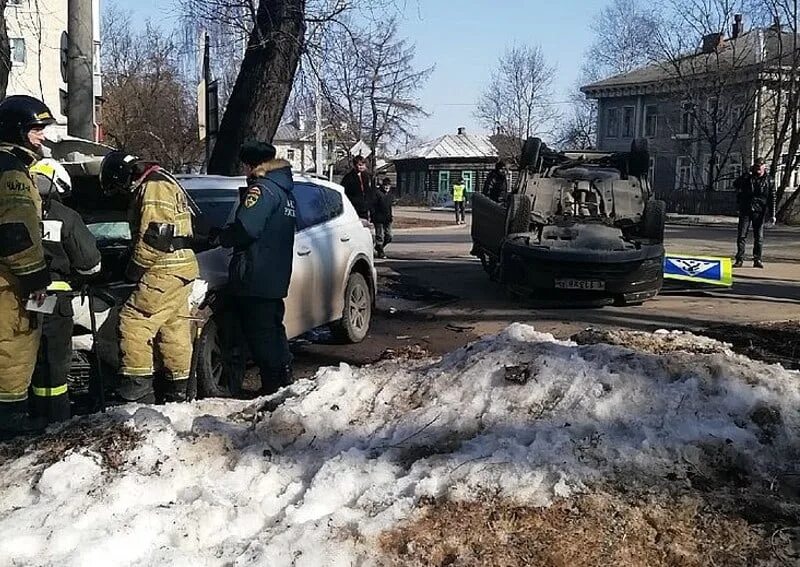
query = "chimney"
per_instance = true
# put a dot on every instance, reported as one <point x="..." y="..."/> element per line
<point x="737" y="26"/>
<point x="462" y="131"/>
<point x="712" y="42"/>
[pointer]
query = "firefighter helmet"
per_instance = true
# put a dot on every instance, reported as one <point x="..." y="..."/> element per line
<point x="116" y="172"/>
<point x="18" y="115"/>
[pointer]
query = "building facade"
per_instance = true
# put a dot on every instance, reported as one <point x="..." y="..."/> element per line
<point x="704" y="122"/>
<point x="37" y="31"/>
<point x="430" y="170"/>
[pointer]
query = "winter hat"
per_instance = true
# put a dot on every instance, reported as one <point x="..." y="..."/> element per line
<point x="255" y="152"/>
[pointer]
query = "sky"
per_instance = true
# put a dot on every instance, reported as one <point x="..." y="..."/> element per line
<point x="463" y="39"/>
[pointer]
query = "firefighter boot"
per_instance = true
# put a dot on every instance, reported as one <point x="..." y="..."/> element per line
<point x="275" y="379"/>
<point x="138" y="389"/>
<point x="15" y="421"/>
<point x="175" y="391"/>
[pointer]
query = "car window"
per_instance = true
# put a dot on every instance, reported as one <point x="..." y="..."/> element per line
<point x="215" y="205"/>
<point x="312" y="209"/>
<point x="334" y="202"/>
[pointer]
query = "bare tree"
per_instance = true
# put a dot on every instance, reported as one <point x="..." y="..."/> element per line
<point x="780" y="97"/>
<point x="578" y="129"/>
<point x="624" y="38"/>
<point x="518" y="99"/>
<point x="148" y="110"/>
<point x="370" y="84"/>
<point x="714" y="81"/>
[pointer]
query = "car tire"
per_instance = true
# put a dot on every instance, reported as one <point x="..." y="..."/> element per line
<point x="519" y="214"/>
<point x="354" y="324"/>
<point x="530" y="153"/>
<point x="654" y="220"/>
<point x="216" y="377"/>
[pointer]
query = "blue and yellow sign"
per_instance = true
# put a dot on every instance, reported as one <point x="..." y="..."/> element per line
<point x="699" y="269"/>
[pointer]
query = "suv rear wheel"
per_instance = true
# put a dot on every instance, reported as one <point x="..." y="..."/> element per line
<point x="354" y="324"/>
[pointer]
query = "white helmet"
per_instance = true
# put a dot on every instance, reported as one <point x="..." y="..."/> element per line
<point x="55" y="177"/>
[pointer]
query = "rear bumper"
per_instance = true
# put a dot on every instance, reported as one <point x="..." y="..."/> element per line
<point x="632" y="275"/>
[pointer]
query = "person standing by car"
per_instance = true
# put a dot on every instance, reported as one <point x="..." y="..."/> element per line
<point x="71" y="253"/>
<point x="458" y="200"/>
<point x="358" y="187"/>
<point x="382" y="217"/>
<point x="496" y="184"/>
<point x="755" y="197"/>
<point x="262" y="238"/>
<point x="23" y="269"/>
<point x="163" y="267"/>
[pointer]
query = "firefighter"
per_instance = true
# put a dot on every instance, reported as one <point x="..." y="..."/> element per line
<point x="23" y="270"/>
<point x="71" y="253"/>
<point x="163" y="266"/>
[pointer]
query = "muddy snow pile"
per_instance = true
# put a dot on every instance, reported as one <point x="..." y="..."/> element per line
<point x="316" y="479"/>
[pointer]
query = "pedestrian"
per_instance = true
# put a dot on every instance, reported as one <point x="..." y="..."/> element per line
<point x="755" y="197"/>
<point x="72" y="255"/>
<point x="496" y="185"/>
<point x="458" y="200"/>
<point x="382" y="217"/>
<point x="358" y="187"/>
<point x="262" y="238"/>
<point x="163" y="267"/>
<point x="23" y="270"/>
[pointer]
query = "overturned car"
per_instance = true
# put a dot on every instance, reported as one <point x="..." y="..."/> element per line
<point x="581" y="224"/>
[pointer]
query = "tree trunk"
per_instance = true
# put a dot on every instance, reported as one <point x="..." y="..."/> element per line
<point x="264" y="83"/>
<point x="5" y="51"/>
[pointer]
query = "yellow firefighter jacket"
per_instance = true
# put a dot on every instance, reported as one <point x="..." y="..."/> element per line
<point x="22" y="263"/>
<point x="161" y="228"/>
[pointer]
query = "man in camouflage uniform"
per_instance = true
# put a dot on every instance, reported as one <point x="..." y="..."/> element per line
<point x="23" y="270"/>
<point x="163" y="266"/>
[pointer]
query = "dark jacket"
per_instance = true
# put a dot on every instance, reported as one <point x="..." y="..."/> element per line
<point x="496" y="185"/>
<point x="382" y="207"/>
<point x="358" y="188"/>
<point x="69" y="248"/>
<point x="755" y="195"/>
<point x="262" y="236"/>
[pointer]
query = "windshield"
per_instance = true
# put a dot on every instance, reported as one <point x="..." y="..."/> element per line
<point x="108" y="231"/>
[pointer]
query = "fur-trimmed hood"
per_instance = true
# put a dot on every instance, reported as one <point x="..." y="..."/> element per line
<point x="262" y="169"/>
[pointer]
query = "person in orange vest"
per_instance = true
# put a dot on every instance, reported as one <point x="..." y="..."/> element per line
<point x="459" y="190"/>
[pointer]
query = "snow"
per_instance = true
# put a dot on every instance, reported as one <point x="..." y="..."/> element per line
<point x="350" y="453"/>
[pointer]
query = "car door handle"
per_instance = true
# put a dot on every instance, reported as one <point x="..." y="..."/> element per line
<point x="345" y="238"/>
<point x="304" y="252"/>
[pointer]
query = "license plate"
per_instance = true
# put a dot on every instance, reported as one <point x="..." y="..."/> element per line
<point x="591" y="285"/>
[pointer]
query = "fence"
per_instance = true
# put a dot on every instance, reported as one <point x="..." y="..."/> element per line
<point x="694" y="202"/>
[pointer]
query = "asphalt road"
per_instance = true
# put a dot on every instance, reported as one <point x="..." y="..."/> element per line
<point x="439" y="258"/>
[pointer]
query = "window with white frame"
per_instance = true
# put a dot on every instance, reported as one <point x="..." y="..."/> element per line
<point x="683" y="172"/>
<point x="712" y="111"/>
<point x="628" y="121"/>
<point x="18" y="51"/>
<point x="651" y="120"/>
<point x="733" y="170"/>
<point x="290" y="155"/>
<point x="444" y="182"/>
<point x="469" y="180"/>
<point x="687" y="118"/>
<point x="612" y="123"/>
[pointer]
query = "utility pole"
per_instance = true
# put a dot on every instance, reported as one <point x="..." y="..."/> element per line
<point x="80" y="69"/>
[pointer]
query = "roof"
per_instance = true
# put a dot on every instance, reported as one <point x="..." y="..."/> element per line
<point x="739" y="54"/>
<point x="288" y="132"/>
<point x="452" y="146"/>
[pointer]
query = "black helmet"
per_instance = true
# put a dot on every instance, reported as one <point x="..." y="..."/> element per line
<point x="18" y="115"/>
<point x="116" y="172"/>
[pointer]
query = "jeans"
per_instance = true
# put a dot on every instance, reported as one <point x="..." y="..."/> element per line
<point x="746" y="219"/>
<point x="459" y="205"/>
<point x="383" y="235"/>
